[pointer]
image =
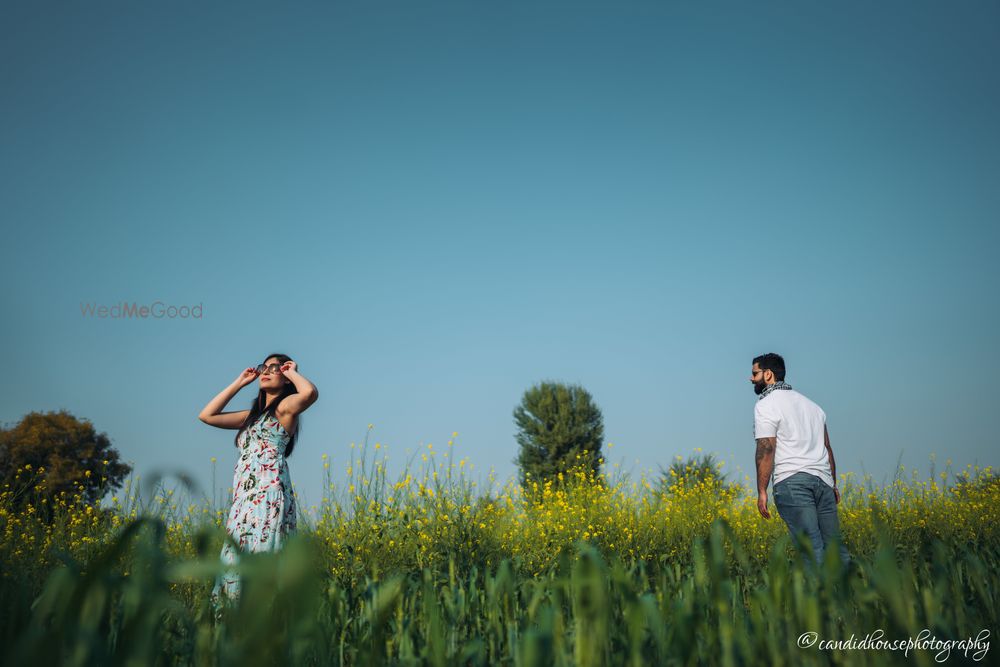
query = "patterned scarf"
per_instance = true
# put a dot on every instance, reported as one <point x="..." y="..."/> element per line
<point x="773" y="387"/>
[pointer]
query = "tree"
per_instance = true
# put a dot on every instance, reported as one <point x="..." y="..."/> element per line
<point x="692" y="471"/>
<point x="60" y="453"/>
<point x="555" y="423"/>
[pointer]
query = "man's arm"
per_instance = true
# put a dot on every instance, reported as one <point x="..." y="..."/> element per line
<point x="833" y="464"/>
<point x="765" y="466"/>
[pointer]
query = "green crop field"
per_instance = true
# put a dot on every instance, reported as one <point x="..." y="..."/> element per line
<point x="429" y="568"/>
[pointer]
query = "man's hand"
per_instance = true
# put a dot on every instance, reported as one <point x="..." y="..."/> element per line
<point x="765" y="465"/>
<point x="762" y="504"/>
<point x="836" y="494"/>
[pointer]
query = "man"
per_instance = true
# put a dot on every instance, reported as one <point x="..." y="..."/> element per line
<point x="793" y="443"/>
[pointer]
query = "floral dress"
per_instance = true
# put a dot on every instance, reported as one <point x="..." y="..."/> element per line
<point x="263" y="510"/>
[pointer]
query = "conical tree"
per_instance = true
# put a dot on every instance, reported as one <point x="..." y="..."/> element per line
<point x="555" y="423"/>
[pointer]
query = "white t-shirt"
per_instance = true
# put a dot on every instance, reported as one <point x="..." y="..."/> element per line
<point x="798" y="425"/>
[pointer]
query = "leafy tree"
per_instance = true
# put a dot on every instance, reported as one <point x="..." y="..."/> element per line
<point x="687" y="473"/>
<point x="555" y="423"/>
<point x="56" y="452"/>
<point x="983" y="482"/>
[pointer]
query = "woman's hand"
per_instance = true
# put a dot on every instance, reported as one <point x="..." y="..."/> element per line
<point x="289" y="366"/>
<point x="246" y="377"/>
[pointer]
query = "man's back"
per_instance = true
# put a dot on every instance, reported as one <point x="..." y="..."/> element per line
<point x="798" y="425"/>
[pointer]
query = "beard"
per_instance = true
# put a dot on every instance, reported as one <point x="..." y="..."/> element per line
<point x="758" y="387"/>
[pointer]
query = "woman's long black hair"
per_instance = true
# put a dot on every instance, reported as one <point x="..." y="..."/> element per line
<point x="257" y="408"/>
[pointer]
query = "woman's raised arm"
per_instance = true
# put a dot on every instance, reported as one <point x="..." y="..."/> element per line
<point x="212" y="413"/>
<point x="298" y="402"/>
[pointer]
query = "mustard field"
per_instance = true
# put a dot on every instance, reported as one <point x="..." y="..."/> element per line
<point x="434" y="567"/>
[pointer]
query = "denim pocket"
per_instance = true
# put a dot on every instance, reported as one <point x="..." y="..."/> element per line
<point x="779" y="490"/>
<point x="791" y="493"/>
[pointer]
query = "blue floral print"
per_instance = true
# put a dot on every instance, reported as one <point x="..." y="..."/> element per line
<point x="263" y="510"/>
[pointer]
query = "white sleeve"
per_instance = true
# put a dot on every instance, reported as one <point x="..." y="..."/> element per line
<point x="765" y="422"/>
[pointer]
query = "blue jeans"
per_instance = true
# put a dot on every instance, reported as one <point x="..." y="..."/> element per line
<point x="807" y="504"/>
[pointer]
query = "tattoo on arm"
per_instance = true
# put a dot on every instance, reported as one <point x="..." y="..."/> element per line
<point x="765" y="461"/>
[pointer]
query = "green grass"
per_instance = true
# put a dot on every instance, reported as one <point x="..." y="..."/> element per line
<point x="433" y="572"/>
<point x="714" y="608"/>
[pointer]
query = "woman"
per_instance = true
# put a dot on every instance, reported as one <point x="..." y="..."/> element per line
<point x="263" y="509"/>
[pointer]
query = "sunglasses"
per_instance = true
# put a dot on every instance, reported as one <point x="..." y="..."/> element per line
<point x="267" y="370"/>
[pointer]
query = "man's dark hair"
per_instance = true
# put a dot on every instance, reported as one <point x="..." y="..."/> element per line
<point x="772" y="362"/>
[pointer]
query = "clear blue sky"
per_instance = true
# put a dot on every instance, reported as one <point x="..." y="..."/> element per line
<point x="431" y="206"/>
